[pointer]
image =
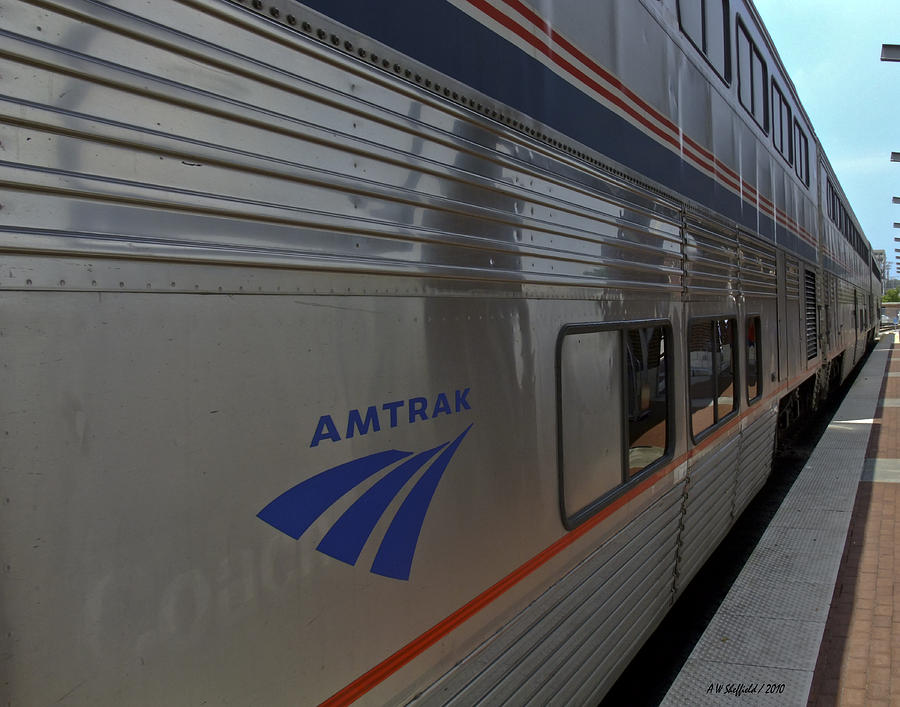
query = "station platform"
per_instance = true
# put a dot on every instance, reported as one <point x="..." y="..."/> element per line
<point x="813" y="617"/>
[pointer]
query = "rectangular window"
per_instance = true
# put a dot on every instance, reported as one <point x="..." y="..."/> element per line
<point x="745" y="94"/>
<point x="705" y="23"/>
<point x="754" y="359"/>
<point x="712" y="372"/>
<point x="592" y="461"/>
<point x="725" y="393"/>
<point x="647" y="401"/>
<point x="613" y="411"/>
<point x="752" y="77"/>
<point x="781" y="124"/>
<point x="690" y="19"/>
<point x="801" y="154"/>
<point x="760" y="113"/>
<point x="717" y="35"/>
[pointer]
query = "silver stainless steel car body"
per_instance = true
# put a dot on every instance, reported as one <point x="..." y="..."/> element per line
<point x="252" y="255"/>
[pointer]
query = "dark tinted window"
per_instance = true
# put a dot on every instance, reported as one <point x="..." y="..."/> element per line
<point x="752" y="74"/>
<point x="781" y="124"/>
<point x="712" y="372"/>
<point x="754" y="359"/>
<point x="725" y="341"/>
<point x="801" y="154"/>
<point x="705" y="23"/>
<point x="647" y="397"/>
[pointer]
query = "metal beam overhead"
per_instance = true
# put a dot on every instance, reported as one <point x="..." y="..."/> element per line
<point x="890" y="52"/>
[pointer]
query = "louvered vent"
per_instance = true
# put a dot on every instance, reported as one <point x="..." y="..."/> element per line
<point x="811" y="332"/>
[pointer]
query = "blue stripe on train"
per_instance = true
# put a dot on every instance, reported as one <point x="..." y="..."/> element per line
<point x="442" y="36"/>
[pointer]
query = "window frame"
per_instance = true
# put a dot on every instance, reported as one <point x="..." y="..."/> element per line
<point x="627" y="481"/>
<point x="801" y="155"/>
<point x="830" y="200"/>
<point x="735" y="407"/>
<point x="741" y="28"/>
<point x="787" y="127"/>
<point x="759" y="351"/>
<point x="726" y="37"/>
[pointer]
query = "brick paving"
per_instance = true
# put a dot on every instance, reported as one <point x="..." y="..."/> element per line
<point x="862" y="633"/>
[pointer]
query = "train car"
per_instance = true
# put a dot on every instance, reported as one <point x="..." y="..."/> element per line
<point x="409" y="352"/>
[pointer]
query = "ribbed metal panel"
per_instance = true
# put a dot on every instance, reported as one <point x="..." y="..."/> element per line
<point x="635" y="615"/>
<point x="720" y="487"/>
<point x="757" y="448"/>
<point x="758" y="267"/>
<point x="276" y="150"/>
<point x="792" y="278"/>
<point x="707" y="515"/>
<point x="707" y="512"/>
<point x="712" y="515"/>
<point x="701" y="546"/>
<point x="711" y="258"/>
<point x="613" y="598"/>
<point x="810" y="310"/>
<point x="598" y="670"/>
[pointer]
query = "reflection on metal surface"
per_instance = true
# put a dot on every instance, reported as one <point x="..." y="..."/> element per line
<point x="245" y="242"/>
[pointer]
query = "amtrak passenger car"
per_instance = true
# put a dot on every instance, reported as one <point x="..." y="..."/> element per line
<point x="392" y="352"/>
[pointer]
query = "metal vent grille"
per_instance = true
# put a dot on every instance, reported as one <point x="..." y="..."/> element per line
<point x="812" y="349"/>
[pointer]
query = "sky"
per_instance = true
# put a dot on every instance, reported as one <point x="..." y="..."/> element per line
<point x="831" y="50"/>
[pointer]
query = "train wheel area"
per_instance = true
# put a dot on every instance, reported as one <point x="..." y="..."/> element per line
<point x="796" y="605"/>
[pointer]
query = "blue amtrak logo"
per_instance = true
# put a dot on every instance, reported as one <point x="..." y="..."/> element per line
<point x="294" y="511"/>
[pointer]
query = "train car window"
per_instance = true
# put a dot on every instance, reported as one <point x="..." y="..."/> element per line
<point x="745" y="87"/>
<point x="829" y="199"/>
<point x="801" y="154"/>
<point x="716" y="15"/>
<point x="725" y="398"/>
<point x="647" y="397"/>
<point x="702" y="381"/>
<point x="759" y="91"/>
<point x="752" y="76"/>
<point x="690" y="18"/>
<point x="781" y="124"/>
<point x="754" y="359"/>
<point x="613" y="407"/>
<point x="592" y="424"/>
<point x="705" y="23"/>
<point x="712" y="372"/>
